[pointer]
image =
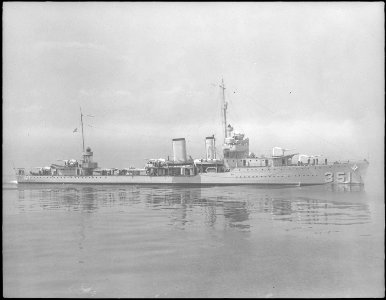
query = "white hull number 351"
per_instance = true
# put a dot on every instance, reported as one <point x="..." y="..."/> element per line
<point x="341" y="177"/>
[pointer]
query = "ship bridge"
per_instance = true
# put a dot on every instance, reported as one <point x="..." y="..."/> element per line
<point x="235" y="148"/>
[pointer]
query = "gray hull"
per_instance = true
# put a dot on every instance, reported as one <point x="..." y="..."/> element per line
<point x="343" y="173"/>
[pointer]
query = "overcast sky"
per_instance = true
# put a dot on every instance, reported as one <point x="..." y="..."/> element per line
<point x="308" y="76"/>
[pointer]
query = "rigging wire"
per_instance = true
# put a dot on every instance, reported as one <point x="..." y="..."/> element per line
<point x="231" y="98"/>
<point x="247" y="97"/>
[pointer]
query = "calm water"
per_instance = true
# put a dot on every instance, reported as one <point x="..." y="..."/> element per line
<point x="158" y="241"/>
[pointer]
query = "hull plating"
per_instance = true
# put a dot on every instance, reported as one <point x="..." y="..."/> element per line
<point x="344" y="173"/>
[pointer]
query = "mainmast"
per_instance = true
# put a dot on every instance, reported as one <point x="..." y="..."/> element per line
<point x="81" y="120"/>
<point x="224" y="108"/>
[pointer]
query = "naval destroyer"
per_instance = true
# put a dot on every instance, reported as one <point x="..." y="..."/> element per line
<point x="236" y="166"/>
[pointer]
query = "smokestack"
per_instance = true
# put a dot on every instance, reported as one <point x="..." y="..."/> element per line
<point x="209" y="147"/>
<point x="179" y="150"/>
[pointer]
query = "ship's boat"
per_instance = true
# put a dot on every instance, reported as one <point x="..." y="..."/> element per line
<point x="233" y="166"/>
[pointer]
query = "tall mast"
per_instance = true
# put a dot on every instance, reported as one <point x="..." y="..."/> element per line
<point x="224" y="108"/>
<point x="214" y="145"/>
<point x="81" y="120"/>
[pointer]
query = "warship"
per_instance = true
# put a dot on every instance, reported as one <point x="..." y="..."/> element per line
<point x="236" y="166"/>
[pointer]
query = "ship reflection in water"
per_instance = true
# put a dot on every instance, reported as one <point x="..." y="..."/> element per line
<point x="220" y="241"/>
<point x="232" y="206"/>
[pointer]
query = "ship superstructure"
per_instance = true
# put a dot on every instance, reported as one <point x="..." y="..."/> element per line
<point x="236" y="166"/>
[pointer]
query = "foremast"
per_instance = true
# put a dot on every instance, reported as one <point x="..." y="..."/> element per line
<point x="224" y="108"/>
<point x="235" y="147"/>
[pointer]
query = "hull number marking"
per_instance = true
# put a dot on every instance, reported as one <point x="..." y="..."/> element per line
<point x="341" y="177"/>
